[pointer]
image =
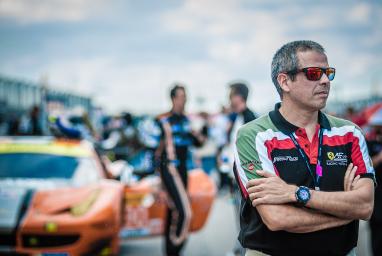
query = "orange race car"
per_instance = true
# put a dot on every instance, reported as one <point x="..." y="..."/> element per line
<point x="56" y="198"/>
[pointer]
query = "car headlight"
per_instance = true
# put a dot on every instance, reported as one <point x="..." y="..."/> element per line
<point x="83" y="207"/>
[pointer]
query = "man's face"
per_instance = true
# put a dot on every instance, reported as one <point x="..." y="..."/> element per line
<point x="306" y="93"/>
<point x="235" y="101"/>
<point x="179" y="101"/>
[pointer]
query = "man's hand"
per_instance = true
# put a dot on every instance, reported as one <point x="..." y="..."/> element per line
<point x="349" y="181"/>
<point x="270" y="190"/>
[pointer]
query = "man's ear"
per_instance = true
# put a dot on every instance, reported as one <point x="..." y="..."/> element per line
<point x="283" y="81"/>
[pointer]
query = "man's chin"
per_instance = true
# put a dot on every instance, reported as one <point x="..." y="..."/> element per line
<point x="323" y="105"/>
<point x="318" y="105"/>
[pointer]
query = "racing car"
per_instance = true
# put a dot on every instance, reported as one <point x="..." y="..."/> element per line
<point x="59" y="197"/>
<point x="55" y="199"/>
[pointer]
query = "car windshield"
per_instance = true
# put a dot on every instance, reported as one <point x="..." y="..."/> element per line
<point x="47" y="166"/>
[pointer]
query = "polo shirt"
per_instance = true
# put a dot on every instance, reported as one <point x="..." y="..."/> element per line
<point x="265" y="144"/>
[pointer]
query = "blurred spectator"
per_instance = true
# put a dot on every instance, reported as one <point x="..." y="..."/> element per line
<point x="242" y="115"/>
<point x="220" y="136"/>
<point x="35" y="125"/>
<point x="206" y="154"/>
<point x="30" y="124"/>
<point x="206" y="124"/>
<point x="171" y="155"/>
<point x="220" y="126"/>
<point x="353" y="116"/>
<point x="13" y="125"/>
<point x="374" y="144"/>
<point x="3" y="126"/>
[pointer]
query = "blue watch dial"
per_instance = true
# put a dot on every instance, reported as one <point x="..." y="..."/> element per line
<point x="302" y="195"/>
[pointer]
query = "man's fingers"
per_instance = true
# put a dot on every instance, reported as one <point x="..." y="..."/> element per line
<point x="264" y="174"/>
<point x="256" y="195"/>
<point x="258" y="201"/>
<point x="347" y="173"/>
<point x="255" y="182"/>
<point x="351" y="176"/>
<point x="255" y="189"/>
<point x="356" y="179"/>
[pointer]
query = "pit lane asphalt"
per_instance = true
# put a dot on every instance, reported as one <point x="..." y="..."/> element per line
<point x="218" y="236"/>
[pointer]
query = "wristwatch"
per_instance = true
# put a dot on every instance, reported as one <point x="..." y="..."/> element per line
<point x="302" y="195"/>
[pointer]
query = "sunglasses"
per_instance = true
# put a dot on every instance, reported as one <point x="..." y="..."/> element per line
<point x="315" y="73"/>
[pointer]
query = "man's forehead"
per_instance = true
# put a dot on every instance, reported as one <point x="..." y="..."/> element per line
<point x="180" y="91"/>
<point x="311" y="58"/>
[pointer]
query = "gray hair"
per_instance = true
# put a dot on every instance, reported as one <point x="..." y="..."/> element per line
<point x="285" y="59"/>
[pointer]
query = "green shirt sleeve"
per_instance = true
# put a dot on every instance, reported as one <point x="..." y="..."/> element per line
<point x="247" y="155"/>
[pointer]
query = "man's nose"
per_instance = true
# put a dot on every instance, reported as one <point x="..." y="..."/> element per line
<point x="324" y="79"/>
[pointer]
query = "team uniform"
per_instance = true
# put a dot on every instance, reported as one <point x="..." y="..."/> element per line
<point x="273" y="144"/>
<point x="177" y="140"/>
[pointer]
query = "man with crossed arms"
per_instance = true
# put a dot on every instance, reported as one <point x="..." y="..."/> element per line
<point x="305" y="176"/>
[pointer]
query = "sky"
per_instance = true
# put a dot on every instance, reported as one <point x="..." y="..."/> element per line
<point x="127" y="54"/>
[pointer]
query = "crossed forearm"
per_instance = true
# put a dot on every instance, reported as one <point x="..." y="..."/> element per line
<point x="355" y="204"/>
<point x="297" y="220"/>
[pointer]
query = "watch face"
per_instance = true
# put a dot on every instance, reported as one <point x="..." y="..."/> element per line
<point x="304" y="194"/>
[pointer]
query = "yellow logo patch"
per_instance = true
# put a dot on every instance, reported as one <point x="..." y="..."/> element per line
<point x="331" y="155"/>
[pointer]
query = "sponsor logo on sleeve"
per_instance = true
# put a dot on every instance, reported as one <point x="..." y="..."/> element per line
<point x="250" y="165"/>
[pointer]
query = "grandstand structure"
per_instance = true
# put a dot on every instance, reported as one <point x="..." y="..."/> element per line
<point x="18" y="97"/>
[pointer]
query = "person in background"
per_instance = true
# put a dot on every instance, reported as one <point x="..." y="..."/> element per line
<point x="171" y="157"/>
<point x="35" y="124"/>
<point x="352" y="115"/>
<point x="221" y="126"/>
<point x="241" y="115"/>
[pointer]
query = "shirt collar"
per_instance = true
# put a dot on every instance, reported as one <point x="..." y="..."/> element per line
<point x="284" y="126"/>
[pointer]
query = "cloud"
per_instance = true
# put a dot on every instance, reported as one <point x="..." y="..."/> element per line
<point x="37" y="11"/>
<point x="204" y="44"/>
<point x="360" y="13"/>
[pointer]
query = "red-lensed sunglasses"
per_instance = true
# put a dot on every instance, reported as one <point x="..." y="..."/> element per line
<point x="315" y="73"/>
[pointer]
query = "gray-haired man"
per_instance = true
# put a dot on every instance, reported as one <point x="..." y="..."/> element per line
<point x="306" y="177"/>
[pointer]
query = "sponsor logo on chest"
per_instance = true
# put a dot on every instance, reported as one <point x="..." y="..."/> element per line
<point x="338" y="158"/>
<point x="285" y="159"/>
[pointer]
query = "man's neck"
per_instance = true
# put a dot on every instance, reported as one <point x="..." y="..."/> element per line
<point x="300" y="117"/>
<point x="178" y="111"/>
